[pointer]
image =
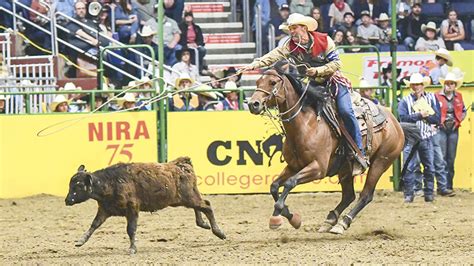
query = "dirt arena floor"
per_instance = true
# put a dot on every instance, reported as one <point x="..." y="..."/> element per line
<point x="42" y="229"/>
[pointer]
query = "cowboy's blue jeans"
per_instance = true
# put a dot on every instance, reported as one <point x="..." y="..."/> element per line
<point x="344" y="109"/>
<point x="425" y="153"/>
<point x="440" y="165"/>
<point x="448" y="142"/>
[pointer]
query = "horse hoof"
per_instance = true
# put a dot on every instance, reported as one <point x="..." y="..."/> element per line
<point x="296" y="220"/>
<point x="132" y="251"/>
<point x="337" y="229"/>
<point x="276" y="221"/>
<point x="324" y="228"/>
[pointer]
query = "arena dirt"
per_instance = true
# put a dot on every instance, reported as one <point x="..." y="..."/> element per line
<point x="42" y="229"/>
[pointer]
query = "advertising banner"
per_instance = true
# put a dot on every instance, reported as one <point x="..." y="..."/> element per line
<point x="237" y="152"/>
<point x="31" y="165"/>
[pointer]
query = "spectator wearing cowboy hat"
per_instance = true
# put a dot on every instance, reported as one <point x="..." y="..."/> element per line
<point x="430" y="40"/>
<point x="192" y="37"/>
<point x="231" y="101"/>
<point x="60" y="104"/>
<point x="367" y="91"/>
<point x="75" y="102"/>
<point x="385" y="28"/>
<point x="440" y="69"/>
<point x="184" y="100"/>
<point x="146" y="36"/>
<point x="387" y="76"/>
<point x="420" y="108"/>
<point x="129" y="102"/>
<point x="231" y="75"/>
<point x="184" y="65"/>
<point x="207" y="99"/>
<point x="453" y="112"/>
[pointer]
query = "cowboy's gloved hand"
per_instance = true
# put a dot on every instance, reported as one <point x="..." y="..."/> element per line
<point x="311" y="72"/>
<point x="248" y="67"/>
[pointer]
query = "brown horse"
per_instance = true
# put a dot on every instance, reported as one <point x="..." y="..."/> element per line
<point x="309" y="151"/>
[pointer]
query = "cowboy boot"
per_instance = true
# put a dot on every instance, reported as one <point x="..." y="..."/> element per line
<point x="359" y="166"/>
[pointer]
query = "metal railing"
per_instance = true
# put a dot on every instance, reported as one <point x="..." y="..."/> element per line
<point x="271" y="37"/>
<point x="258" y="30"/>
<point x="246" y="17"/>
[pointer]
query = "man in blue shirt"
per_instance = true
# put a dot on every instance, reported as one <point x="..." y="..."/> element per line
<point x="421" y="108"/>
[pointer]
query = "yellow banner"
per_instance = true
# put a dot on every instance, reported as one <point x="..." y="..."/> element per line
<point x="237" y="152"/>
<point x="31" y="165"/>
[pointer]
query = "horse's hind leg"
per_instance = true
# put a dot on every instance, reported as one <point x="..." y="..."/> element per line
<point x="379" y="166"/>
<point x="348" y="196"/>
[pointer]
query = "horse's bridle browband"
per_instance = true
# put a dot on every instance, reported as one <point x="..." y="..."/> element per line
<point x="274" y="93"/>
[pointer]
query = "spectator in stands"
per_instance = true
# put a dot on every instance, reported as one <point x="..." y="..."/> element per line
<point x="336" y="12"/>
<point x="191" y="36"/>
<point x="126" y="19"/>
<point x="6" y="19"/>
<point x="104" y="21"/>
<point x="301" y="6"/>
<point x="367" y="32"/>
<point x="351" y="39"/>
<point x="375" y="8"/>
<point x="171" y="37"/>
<point x="366" y="91"/>
<point x="231" y="101"/>
<point x="385" y="28"/>
<point x="147" y="36"/>
<point x="347" y="24"/>
<point x="66" y="7"/>
<point x="440" y="69"/>
<point x="265" y="16"/>
<point x="60" y="104"/>
<point x="277" y="21"/>
<point x="184" y="65"/>
<point x="422" y="109"/>
<point x="338" y="38"/>
<point x="207" y="100"/>
<point x="174" y="9"/>
<point x="83" y="37"/>
<point x="128" y="102"/>
<point x="452" y="31"/>
<point x="3" y="101"/>
<point x="144" y="9"/>
<point x="184" y="100"/>
<point x="38" y="36"/>
<point x="453" y="112"/>
<point x="231" y="75"/>
<point x="403" y="9"/>
<point x="411" y="27"/>
<point x="216" y="79"/>
<point x="387" y="76"/>
<point x="430" y="41"/>
<point x="75" y="102"/>
<point x="316" y="14"/>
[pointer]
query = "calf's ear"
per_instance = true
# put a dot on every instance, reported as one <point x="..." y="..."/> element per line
<point x="81" y="168"/>
<point x="88" y="182"/>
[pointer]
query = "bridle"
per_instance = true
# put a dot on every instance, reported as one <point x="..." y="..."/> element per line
<point x="274" y="93"/>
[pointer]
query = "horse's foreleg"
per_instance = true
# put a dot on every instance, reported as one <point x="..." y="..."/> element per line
<point x="348" y="196"/>
<point x="311" y="172"/>
<point x="275" y="220"/>
<point x="378" y="167"/>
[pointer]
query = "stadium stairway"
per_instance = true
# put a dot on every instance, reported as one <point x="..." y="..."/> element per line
<point x="223" y="38"/>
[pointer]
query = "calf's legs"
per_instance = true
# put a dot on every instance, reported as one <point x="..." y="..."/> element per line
<point x="99" y="219"/>
<point x="132" y="218"/>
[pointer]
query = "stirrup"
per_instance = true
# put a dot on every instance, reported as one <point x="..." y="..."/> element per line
<point x="359" y="168"/>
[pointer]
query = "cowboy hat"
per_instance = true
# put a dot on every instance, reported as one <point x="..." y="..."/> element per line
<point x="208" y="94"/>
<point x="180" y="53"/>
<point x="232" y="71"/>
<point x="147" y="31"/>
<point x="430" y="26"/>
<point x="364" y="84"/>
<point x="128" y="97"/>
<point x="218" y="74"/>
<point x="298" y="19"/>
<point x="69" y="86"/>
<point x="132" y="84"/>
<point x="443" y="53"/>
<point x="384" y="17"/>
<point x="417" y="78"/>
<point x="451" y="76"/>
<point x="183" y="76"/>
<point x="387" y="69"/>
<point x="59" y="99"/>
<point x="230" y="86"/>
<point x="144" y="80"/>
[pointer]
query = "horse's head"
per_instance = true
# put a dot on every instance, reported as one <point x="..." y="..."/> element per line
<point x="269" y="92"/>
